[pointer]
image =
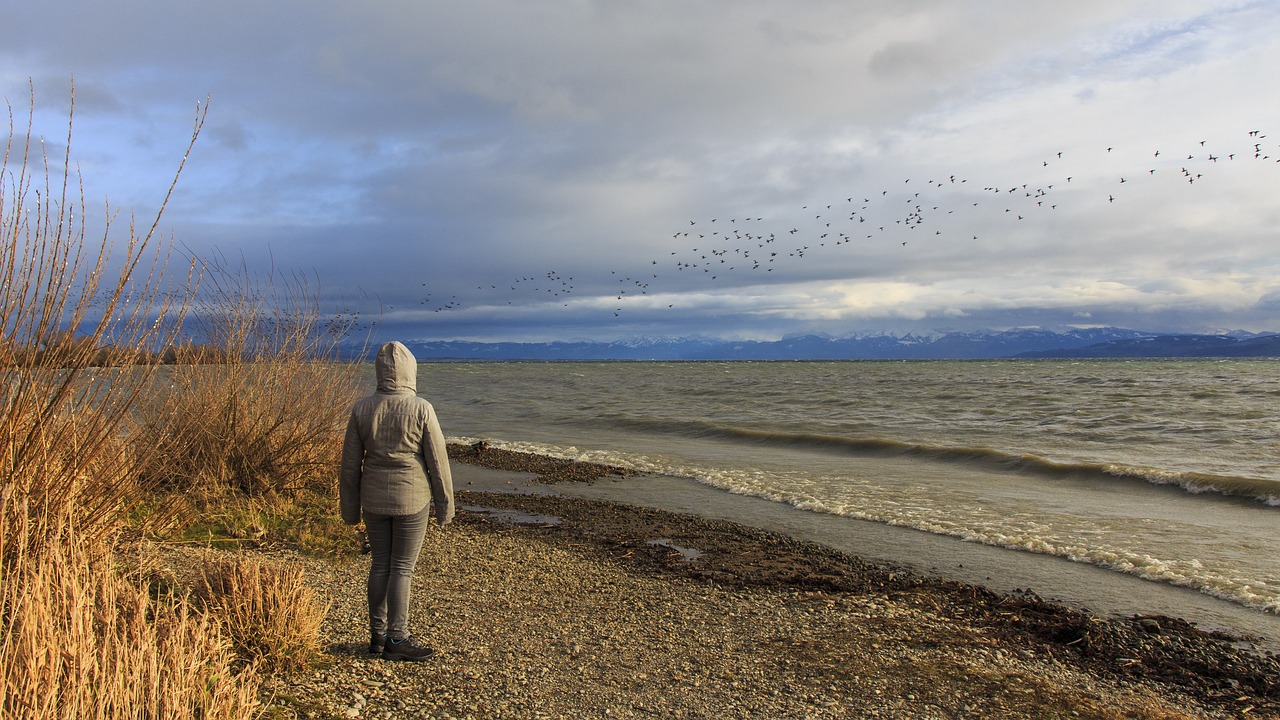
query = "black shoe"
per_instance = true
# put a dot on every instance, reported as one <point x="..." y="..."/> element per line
<point x="376" y="642"/>
<point x="406" y="649"/>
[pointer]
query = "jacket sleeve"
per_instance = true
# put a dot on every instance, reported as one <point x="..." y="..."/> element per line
<point x="436" y="455"/>
<point x="349" y="473"/>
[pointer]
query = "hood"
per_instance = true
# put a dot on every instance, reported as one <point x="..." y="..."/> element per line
<point x="396" y="368"/>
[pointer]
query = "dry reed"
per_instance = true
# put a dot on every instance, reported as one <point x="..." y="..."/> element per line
<point x="79" y="640"/>
<point x="63" y="299"/>
<point x="266" y="418"/>
<point x="266" y="608"/>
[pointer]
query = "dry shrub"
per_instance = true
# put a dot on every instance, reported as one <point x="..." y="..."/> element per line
<point x="80" y="641"/>
<point x="258" y="428"/>
<point x="75" y="475"/>
<point x="64" y="301"/>
<point x="267" y="415"/>
<point x="266" y="608"/>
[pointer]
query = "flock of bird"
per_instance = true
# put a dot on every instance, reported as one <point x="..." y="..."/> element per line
<point x="714" y="249"/>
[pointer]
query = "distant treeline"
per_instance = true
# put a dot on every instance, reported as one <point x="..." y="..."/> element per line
<point x="81" y="351"/>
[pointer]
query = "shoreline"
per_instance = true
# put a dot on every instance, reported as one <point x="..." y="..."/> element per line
<point x="540" y="605"/>
<point x="1174" y="653"/>
<point x="532" y="622"/>
<point x="1079" y="585"/>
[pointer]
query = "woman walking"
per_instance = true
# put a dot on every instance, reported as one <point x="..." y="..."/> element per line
<point x="395" y="472"/>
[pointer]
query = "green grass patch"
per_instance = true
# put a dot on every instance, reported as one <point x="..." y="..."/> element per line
<point x="303" y="520"/>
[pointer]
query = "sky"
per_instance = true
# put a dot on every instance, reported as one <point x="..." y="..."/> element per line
<point x="578" y="169"/>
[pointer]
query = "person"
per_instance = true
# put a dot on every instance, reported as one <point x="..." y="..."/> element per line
<point x="394" y="473"/>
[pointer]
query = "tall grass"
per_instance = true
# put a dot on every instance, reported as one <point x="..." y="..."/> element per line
<point x="78" y="639"/>
<point x="265" y="418"/>
<point x="266" y="608"/>
<point x="82" y="641"/>
<point x="63" y="297"/>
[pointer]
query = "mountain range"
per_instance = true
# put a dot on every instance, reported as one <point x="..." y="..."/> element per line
<point x="1018" y="343"/>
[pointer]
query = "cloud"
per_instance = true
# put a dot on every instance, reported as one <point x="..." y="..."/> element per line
<point x="462" y="161"/>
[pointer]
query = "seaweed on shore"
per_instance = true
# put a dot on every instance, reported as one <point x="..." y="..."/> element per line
<point x="548" y="469"/>
<point x="1166" y="651"/>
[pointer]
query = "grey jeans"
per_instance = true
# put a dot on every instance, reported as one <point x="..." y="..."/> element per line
<point x="394" y="542"/>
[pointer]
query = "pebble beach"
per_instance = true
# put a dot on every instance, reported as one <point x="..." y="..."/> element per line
<point x="549" y="607"/>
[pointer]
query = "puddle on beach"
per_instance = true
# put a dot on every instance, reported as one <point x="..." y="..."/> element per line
<point x="516" y="517"/>
<point x="513" y="517"/>
<point x="689" y="554"/>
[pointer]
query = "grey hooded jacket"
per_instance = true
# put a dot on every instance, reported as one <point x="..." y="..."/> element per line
<point x="394" y="459"/>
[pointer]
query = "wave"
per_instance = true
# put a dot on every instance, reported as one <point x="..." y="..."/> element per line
<point x="1195" y="483"/>
<point x="1004" y="532"/>
<point x="1189" y="573"/>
